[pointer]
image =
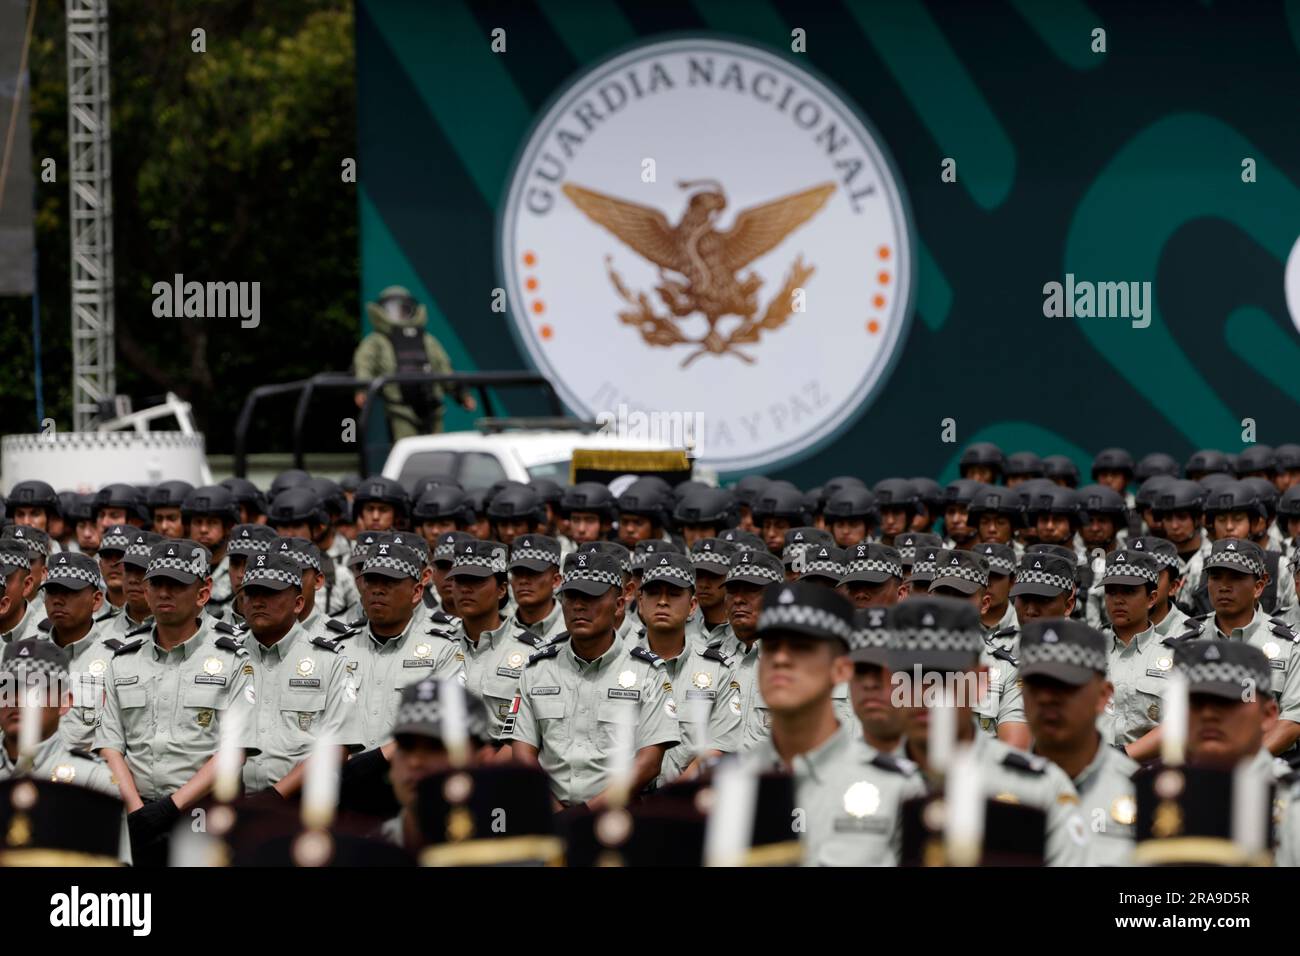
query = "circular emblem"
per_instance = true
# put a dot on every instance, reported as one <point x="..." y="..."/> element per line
<point x="64" y="773"/>
<point x="862" y="799"/>
<point x="765" y="221"/>
<point x="735" y="705"/>
<point x="627" y="680"/>
<point x="1123" y="810"/>
<point x="212" y="666"/>
<point x="423" y="650"/>
<point x="670" y="708"/>
<point x="515" y="660"/>
<point x="702" y="680"/>
<point x="1271" y="650"/>
<point x="1164" y="663"/>
<point x="1153" y="712"/>
<point x="97" y="667"/>
<point x="306" y="666"/>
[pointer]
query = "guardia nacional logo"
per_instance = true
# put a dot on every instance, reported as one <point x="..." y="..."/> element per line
<point x="701" y="225"/>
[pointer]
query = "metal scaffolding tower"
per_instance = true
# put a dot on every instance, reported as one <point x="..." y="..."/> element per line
<point x="91" y="194"/>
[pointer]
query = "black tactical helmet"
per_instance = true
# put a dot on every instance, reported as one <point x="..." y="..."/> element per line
<point x="80" y="509"/>
<point x="387" y="491"/>
<point x="589" y="496"/>
<point x="549" y="491"/>
<point x="961" y="492"/>
<point x="1058" y="500"/>
<point x="649" y="497"/>
<point x="296" y="506"/>
<point x="1287" y="457"/>
<point x="1156" y="463"/>
<point x="1023" y="464"/>
<point x="1206" y="461"/>
<point x="1257" y="458"/>
<point x="119" y="495"/>
<point x="476" y="500"/>
<point x="1146" y="493"/>
<point x="211" y="500"/>
<point x="1113" y="459"/>
<point x="1267" y="492"/>
<point x="982" y="453"/>
<point x="705" y="506"/>
<point x="349" y="483"/>
<point x="896" y="493"/>
<point x="33" y="494"/>
<point x="330" y="495"/>
<point x="930" y="494"/>
<point x="839" y="482"/>
<point x="750" y="488"/>
<point x="1101" y="500"/>
<point x="290" y="478"/>
<point x="432" y="481"/>
<point x="1059" y="466"/>
<point x="443" y="503"/>
<point x="998" y="500"/>
<point x="516" y="501"/>
<point x="1288" y="506"/>
<point x="169" y="494"/>
<point x="1179" y="495"/>
<point x="850" y="503"/>
<point x="1214" y="480"/>
<point x="1235" y="496"/>
<point x="246" y="494"/>
<point x="781" y="500"/>
<point x="813" y="500"/>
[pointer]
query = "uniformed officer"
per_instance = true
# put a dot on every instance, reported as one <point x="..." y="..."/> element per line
<point x="444" y="555"/>
<point x="167" y="691"/>
<point x="113" y="544"/>
<point x="1235" y="569"/>
<point x="795" y="543"/>
<point x="982" y="462"/>
<point x="822" y="564"/>
<point x="210" y="512"/>
<point x="1103" y="529"/>
<point x="643" y="510"/>
<point x="778" y="510"/>
<point x="628" y="620"/>
<point x="1061" y="470"/>
<point x="1063" y="666"/>
<point x="588" y="507"/>
<point x="908" y="545"/>
<point x="135" y="562"/>
<point x="300" y="681"/>
<point x="307" y="559"/>
<point x="999" y="618"/>
<point x="1138" y="659"/>
<point x="922" y="571"/>
<point x="513" y="511"/>
<point x="380" y="504"/>
<point x="392" y="649"/>
<point x="701" y="672"/>
<point x="425" y="611"/>
<point x="439" y="509"/>
<point x="34" y="504"/>
<point x="245" y="541"/>
<point x="963" y="575"/>
<point x="960" y="531"/>
<point x="1021" y="466"/>
<point x="79" y="514"/>
<point x="873" y="575"/>
<point x="850" y="513"/>
<point x="711" y="558"/>
<point x="250" y="499"/>
<point x="299" y="512"/>
<point x="943" y="636"/>
<point x="882" y="722"/>
<point x="743" y="540"/>
<point x="333" y="544"/>
<point x="1043" y="586"/>
<point x="164" y="501"/>
<point x="534" y="576"/>
<point x="1166" y="615"/>
<point x="850" y="794"/>
<point x="586" y="693"/>
<point x="119" y="503"/>
<point x="38" y="550"/>
<point x="18" y="616"/>
<point x="704" y="513"/>
<point x="996" y="515"/>
<point x="897" y="503"/>
<point x="1177" y="509"/>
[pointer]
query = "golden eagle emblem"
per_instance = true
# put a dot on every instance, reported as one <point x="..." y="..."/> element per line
<point x="699" y="266"/>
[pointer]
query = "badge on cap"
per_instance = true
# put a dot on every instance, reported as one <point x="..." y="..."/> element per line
<point x="1050" y="636"/>
<point x="787" y="597"/>
<point x="1232" y="546"/>
<point x="1211" y="653"/>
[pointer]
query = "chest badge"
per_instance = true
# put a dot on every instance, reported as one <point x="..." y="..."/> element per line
<point x="97" y="667"/>
<point x="702" y="680"/>
<point x="627" y="680"/>
<point x="862" y="799"/>
<point x="1164" y="663"/>
<point x="213" y="666"/>
<point x="1124" y="810"/>
<point x="423" y="650"/>
<point x="735" y="705"/>
<point x="515" y="660"/>
<point x="1271" y="650"/>
<point x="64" y="773"/>
<point x="204" y="718"/>
<point x="306" y="666"/>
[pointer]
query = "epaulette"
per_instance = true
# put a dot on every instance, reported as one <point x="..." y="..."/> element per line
<point x="224" y="627"/>
<point x="1004" y="655"/>
<point x="232" y="645"/>
<point x="714" y="653"/>
<point x="442" y="617"/>
<point x="1284" y="631"/>
<point x="121" y="647"/>
<point x="1194" y="627"/>
<point x="339" y="628"/>
<point x="1172" y="641"/>
<point x="525" y="636"/>
<point x="112" y="612"/>
<point x="329" y="643"/>
<point x="1026" y="763"/>
<point x="1009" y="631"/>
<point x="893" y="764"/>
<point x="87" y="755"/>
<point x="650" y="657"/>
<point x="45" y="625"/>
<point x="139" y="629"/>
<point x="550" y="650"/>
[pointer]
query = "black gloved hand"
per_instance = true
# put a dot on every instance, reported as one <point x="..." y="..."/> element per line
<point x="153" y="820"/>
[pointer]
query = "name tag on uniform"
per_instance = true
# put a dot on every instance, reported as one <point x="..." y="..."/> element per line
<point x="1278" y="664"/>
<point x="418" y="662"/>
<point x="217" y="679"/>
<point x="119" y="681"/>
<point x="509" y="672"/>
<point x="543" y="691"/>
<point x="869" y="824"/>
<point x="618" y="693"/>
<point x="304" y="681"/>
<point x="701" y="695"/>
<point x="1153" y="672"/>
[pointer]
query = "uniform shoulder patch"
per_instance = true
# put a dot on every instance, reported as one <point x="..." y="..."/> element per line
<point x="232" y="645"/>
<point x="1009" y="631"/>
<point x="1026" y="763"/>
<point x="329" y="643"/>
<point x="124" y="647"/>
<point x="1285" y="631"/>
<point x="550" y="650"/>
<point x="87" y="755"/>
<point x="1005" y="655"/>
<point x="112" y="612"/>
<point x="442" y="617"/>
<point x="225" y="627"/>
<point x="893" y="764"/>
<point x="45" y="625"/>
<point x="339" y="628"/>
<point x="649" y="656"/>
<point x="138" y="629"/>
<point x="714" y="653"/>
<point x="525" y="636"/>
<point x="1194" y="628"/>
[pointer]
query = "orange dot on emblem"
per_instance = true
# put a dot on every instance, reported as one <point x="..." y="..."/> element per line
<point x="878" y="301"/>
<point x="546" y="331"/>
<point x="882" y="278"/>
<point x="873" y="326"/>
<point x="530" y="259"/>
<point x="530" y="284"/>
<point x="883" y="252"/>
<point x="538" y="307"/>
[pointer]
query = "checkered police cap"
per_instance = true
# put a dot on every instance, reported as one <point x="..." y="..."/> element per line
<point x="1044" y="571"/>
<point x="270" y="570"/>
<point x="923" y="567"/>
<point x="755" y="567"/>
<point x="1124" y="564"/>
<point x="70" y="569"/>
<point x="808" y="609"/>
<point x="1062" y="641"/>
<point x="422" y="710"/>
<point x="1223" y="667"/>
<point x="930" y="623"/>
<point x="301" y="551"/>
<point x="960" y="566"/>
<point x="392" y="560"/>
<point x="34" y="657"/>
<point x="1001" y="558"/>
<point x="116" y="538"/>
<point x="742" y="540"/>
<point x="489" y="556"/>
<point x="14" y="555"/>
<point x="712" y="553"/>
<point x="535" y="548"/>
<point x="408" y="539"/>
<point x="823" y="561"/>
<point x="250" y="539"/>
<point x="909" y="543"/>
<point x="870" y="629"/>
<point x="1238" y="555"/>
<point x="445" y="549"/>
<point x="592" y="566"/>
<point x="651" y="546"/>
<point x="36" y="540"/>
<point x="138" y="551"/>
<point x="873" y="559"/>
<point x="672" y="568"/>
<point x="621" y="555"/>
<point x="181" y="555"/>
<point x="1161" y="550"/>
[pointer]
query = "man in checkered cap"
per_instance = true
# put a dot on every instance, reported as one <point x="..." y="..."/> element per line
<point x="1043" y="586"/>
<point x="882" y="722"/>
<point x="495" y="650"/>
<point x="935" y="646"/>
<point x="1139" y="660"/>
<point x="963" y="575"/>
<point x="588" y="701"/>
<point x="909" y="543"/>
<point x="113" y="543"/>
<point x="1168" y="618"/>
<point x="999" y="619"/>
<point x="700" y="672"/>
<point x="37" y="543"/>
<point x="1235" y="573"/>
<point x="534" y="577"/>
<point x="711" y="558"/>
<point x="873" y="575"/>
<point x="822" y="564"/>
<point x="628" y="619"/>
<point x="922" y="573"/>
<point x="850" y="794"/>
<point x="300" y="679"/>
<point x="307" y="558"/>
<point x="168" y="690"/>
<point x="796" y="543"/>
<point x="245" y="540"/>
<point x="395" y="647"/>
<point x="444" y="555"/>
<point x="135" y="562"/>
<point x="74" y="596"/>
<point x="17" y="616"/>
<point x="425" y="611"/>
<point x="1063" y="666"/>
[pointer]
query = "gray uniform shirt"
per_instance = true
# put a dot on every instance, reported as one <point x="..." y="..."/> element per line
<point x="493" y="666"/>
<point x="1106" y="797"/>
<point x="1139" y="671"/>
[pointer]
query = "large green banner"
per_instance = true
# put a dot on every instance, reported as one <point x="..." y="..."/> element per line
<point x="852" y="237"/>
